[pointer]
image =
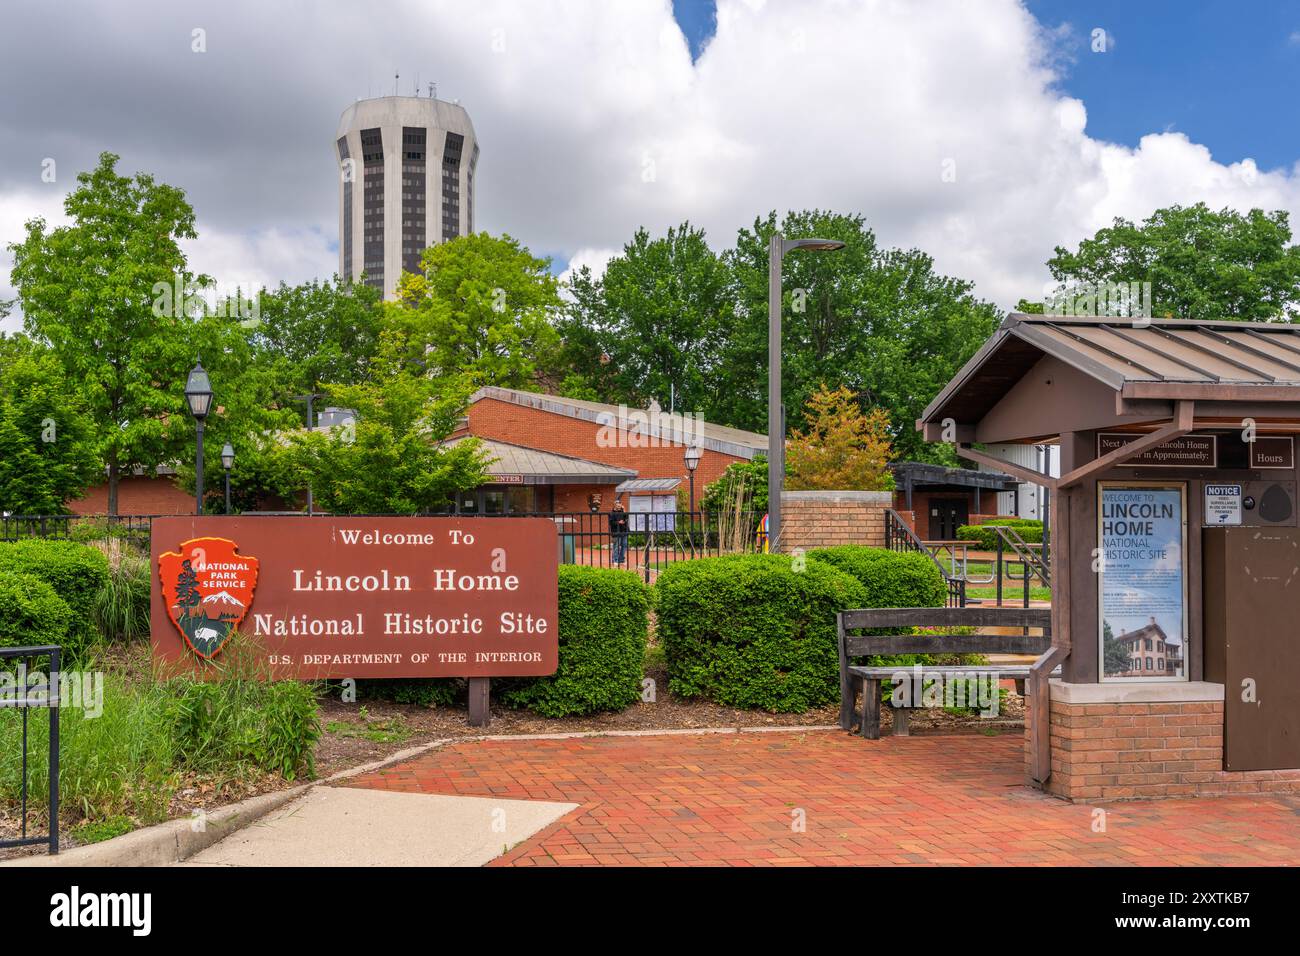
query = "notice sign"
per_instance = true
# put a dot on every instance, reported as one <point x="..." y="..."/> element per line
<point x="359" y="597"/>
<point x="1189" y="451"/>
<point x="1143" y="584"/>
<point x="1222" y="504"/>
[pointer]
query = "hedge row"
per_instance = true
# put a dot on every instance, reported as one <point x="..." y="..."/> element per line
<point x="77" y="574"/>
<point x="754" y="631"/>
<point x="1029" y="529"/>
<point x="602" y="642"/>
<point x="603" y="620"/>
<point x="31" y="613"/>
<point x="758" y="631"/>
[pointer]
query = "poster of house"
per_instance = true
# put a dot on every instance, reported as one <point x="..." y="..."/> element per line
<point x="1143" y="582"/>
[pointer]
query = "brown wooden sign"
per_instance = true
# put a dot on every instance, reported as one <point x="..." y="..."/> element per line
<point x="1189" y="451"/>
<point x="1272" y="451"/>
<point x="359" y="597"/>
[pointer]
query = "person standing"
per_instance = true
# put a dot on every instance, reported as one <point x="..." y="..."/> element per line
<point x="618" y="531"/>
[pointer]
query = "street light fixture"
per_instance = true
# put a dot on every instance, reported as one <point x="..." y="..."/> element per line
<point x="227" y="462"/>
<point x="198" y="395"/>
<point x="777" y="247"/>
<point x="692" y="456"/>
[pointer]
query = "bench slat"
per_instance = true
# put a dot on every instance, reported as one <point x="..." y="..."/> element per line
<point x="947" y="644"/>
<point x="946" y="617"/>
<point x="1014" y="672"/>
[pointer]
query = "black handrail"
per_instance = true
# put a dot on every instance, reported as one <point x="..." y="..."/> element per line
<point x="29" y="696"/>
<point x="900" y="537"/>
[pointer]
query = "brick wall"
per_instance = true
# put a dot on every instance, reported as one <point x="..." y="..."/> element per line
<point x="823" y="519"/>
<point x="137" y="495"/>
<point x="1142" y="749"/>
<point x="547" y="431"/>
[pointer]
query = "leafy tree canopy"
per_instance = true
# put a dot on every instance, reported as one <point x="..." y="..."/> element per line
<point x="842" y="448"/>
<point x="650" y="328"/>
<point x="47" y="449"/>
<point x="880" y="322"/>
<point x="481" y="306"/>
<point x="110" y="294"/>
<point x="1201" y="264"/>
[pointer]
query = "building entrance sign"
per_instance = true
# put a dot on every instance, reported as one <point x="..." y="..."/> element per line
<point x="359" y="597"/>
<point x="1143" y="586"/>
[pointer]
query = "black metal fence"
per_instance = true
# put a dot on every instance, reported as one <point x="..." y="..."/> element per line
<point x="653" y="540"/>
<point x="23" y="693"/>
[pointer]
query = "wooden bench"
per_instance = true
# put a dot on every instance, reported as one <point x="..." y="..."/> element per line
<point x="868" y="679"/>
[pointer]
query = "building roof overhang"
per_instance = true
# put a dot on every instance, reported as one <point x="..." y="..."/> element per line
<point x="1126" y="372"/>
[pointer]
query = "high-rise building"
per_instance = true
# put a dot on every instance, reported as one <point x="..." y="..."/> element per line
<point x="406" y="182"/>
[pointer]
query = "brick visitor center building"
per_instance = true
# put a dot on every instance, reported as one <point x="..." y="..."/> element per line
<point x="547" y="454"/>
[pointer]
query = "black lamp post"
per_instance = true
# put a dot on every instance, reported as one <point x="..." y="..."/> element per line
<point x="198" y="395"/>
<point x="693" y="455"/>
<point x="227" y="462"/>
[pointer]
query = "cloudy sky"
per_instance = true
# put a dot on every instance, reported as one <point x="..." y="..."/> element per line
<point x="982" y="132"/>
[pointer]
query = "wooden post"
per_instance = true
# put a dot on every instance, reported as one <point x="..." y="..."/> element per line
<point x="480" y="714"/>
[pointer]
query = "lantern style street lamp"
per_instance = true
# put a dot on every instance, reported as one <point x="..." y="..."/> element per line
<point x="692" y="456"/>
<point x="227" y="462"/>
<point x="198" y="395"/>
<point x="776" y="250"/>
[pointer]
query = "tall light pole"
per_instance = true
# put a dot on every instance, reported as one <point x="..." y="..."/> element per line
<point x="227" y="462"/>
<point x="198" y="395"/>
<point x="777" y="247"/>
<point x="310" y="399"/>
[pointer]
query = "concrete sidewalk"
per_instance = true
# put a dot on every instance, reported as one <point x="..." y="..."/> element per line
<point x="346" y="826"/>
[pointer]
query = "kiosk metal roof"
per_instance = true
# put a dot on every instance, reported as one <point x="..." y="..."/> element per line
<point x="1167" y="359"/>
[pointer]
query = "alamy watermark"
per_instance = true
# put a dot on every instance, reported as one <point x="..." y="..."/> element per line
<point x="175" y="300"/>
<point x="1124" y="300"/>
<point x="80" y="690"/>
<point x="978" y="690"/>
<point x="649" y="428"/>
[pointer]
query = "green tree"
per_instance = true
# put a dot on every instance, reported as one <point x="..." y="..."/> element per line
<point x="390" y="459"/>
<point x="843" y="448"/>
<point x="318" y="332"/>
<point x="47" y="453"/>
<point x="650" y="328"/>
<point x="102" y="293"/>
<point x="880" y="322"/>
<point x="481" y="306"/>
<point x="1201" y="264"/>
<point x="1115" y="656"/>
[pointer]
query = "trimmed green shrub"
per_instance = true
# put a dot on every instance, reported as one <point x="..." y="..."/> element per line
<point x="1029" y="529"/>
<point x="603" y="618"/>
<point x="890" y="578"/>
<point x="76" y="572"/>
<point x="31" y="613"/>
<point x="752" y="631"/>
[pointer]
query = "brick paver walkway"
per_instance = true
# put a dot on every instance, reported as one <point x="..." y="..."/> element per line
<point x="738" y="799"/>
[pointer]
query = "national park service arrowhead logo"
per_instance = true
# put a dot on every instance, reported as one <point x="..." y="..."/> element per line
<point x="208" y="589"/>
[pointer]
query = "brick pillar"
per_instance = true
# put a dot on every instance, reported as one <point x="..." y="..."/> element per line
<point x="824" y="519"/>
<point x="1134" y="740"/>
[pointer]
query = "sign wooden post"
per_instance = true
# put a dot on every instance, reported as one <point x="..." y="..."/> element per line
<point x="480" y="712"/>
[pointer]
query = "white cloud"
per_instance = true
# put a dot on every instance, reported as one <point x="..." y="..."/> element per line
<point x="593" y="121"/>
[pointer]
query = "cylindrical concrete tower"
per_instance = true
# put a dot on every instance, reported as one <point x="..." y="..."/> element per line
<point x="406" y="182"/>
